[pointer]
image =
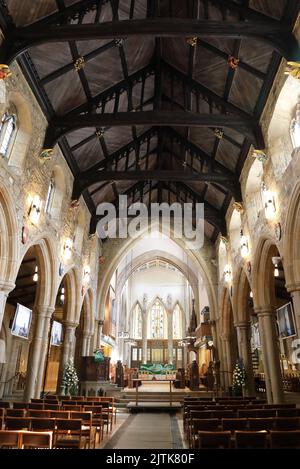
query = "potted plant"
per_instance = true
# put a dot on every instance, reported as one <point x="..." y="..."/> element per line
<point x="70" y="380"/>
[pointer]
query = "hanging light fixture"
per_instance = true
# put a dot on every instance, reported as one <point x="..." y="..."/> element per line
<point x="276" y="262"/>
<point x="251" y="294"/>
<point x="36" y="275"/>
<point x="35" y="209"/>
<point x="227" y="273"/>
<point x="62" y="295"/>
<point x="244" y="245"/>
<point x="269" y="202"/>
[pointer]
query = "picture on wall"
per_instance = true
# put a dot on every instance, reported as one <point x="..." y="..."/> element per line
<point x="21" y="322"/>
<point x="286" y="322"/>
<point x="56" y="333"/>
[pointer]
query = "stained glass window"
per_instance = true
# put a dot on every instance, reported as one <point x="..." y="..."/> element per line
<point x="137" y="322"/>
<point x="157" y="321"/>
<point x="7" y="130"/>
<point x="177" y="322"/>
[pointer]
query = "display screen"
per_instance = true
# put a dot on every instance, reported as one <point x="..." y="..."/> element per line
<point x="56" y="333"/>
<point x="285" y="320"/>
<point x="22" y="321"/>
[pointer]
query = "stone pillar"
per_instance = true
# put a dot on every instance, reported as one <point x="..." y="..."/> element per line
<point x="228" y="366"/>
<point x="44" y="350"/>
<point x="244" y="346"/>
<point x="5" y="289"/>
<point x="33" y="378"/>
<point x="144" y="338"/>
<point x="86" y="344"/>
<point x="170" y="336"/>
<point x="271" y="355"/>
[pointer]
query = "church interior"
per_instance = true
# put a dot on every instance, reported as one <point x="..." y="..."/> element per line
<point x="145" y="341"/>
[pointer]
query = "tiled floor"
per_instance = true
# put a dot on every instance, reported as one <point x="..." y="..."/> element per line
<point x="147" y="430"/>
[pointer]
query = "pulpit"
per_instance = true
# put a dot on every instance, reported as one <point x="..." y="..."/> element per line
<point x="92" y="374"/>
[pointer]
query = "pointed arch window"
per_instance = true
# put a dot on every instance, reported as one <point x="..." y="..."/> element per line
<point x="295" y="128"/>
<point x="158" y="321"/>
<point x="177" y="322"/>
<point x="8" y="130"/>
<point x="137" y="322"/>
<point x="50" y="195"/>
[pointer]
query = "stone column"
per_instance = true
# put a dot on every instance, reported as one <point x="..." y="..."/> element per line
<point x="244" y="346"/>
<point x="5" y="289"/>
<point x="85" y="344"/>
<point x="144" y="330"/>
<point x="170" y="336"/>
<point x="227" y="368"/>
<point x="271" y="355"/>
<point x="45" y="348"/>
<point x="33" y="379"/>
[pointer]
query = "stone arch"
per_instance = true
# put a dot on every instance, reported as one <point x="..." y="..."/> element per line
<point x="148" y="317"/>
<point x="241" y="296"/>
<point x="24" y="129"/>
<point x="47" y="263"/>
<point x="226" y="313"/>
<point x="132" y="317"/>
<point x="73" y="294"/>
<point x="263" y="272"/>
<point x="9" y="245"/>
<point x="291" y="240"/>
<point x="120" y="247"/>
<point x="88" y="311"/>
<point x="161" y="255"/>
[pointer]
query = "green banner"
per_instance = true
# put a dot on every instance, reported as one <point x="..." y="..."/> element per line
<point x="157" y="369"/>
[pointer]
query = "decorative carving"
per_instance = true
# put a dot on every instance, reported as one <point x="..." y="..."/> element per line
<point x="4" y="72"/>
<point x="24" y="235"/>
<point x="100" y="133"/>
<point x="238" y="207"/>
<point x="192" y="41"/>
<point x="119" y="42"/>
<point x="46" y="154"/>
<point x="224" y="239"/>
<point x="102" y="260"/>
<point x="278" y="231"/>
<point x="233" y="62"/>
<point x="79" y="64"/>
<point x="219" y="133"/>
<point x="74" y="204"/>
<point x="260" y="155"/>
<point x="293" y="69"/>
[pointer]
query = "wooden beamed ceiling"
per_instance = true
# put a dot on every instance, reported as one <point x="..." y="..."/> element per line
<point x="142" y="96"/>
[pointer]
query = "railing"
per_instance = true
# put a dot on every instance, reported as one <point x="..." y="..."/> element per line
<point x="7" y="387"/>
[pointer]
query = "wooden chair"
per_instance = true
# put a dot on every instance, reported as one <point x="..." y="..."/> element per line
<point x="36" y="440"/>
<point x="4" y="405"/>
<point x="214" y="440"/>
<point x="263" y="413"/>
<point x="37" y="401"/>
<point x="223" y="414"/>
<point x="88" y="430"/>
<point x="39" y="413"/>
<point x="97" y="419"/>
<point x="251" y="439"/>
<point x="51" y="397"/>
<point x="261" y="424"/>
<point x="207" y="425"/>
<point x="75" y="408"/>
<point x="69" y="402"/>
<point x="287" y="412"/>
<point x="20" y="405"/>
<point x="112" y="408"/>
<point x="51" y="406"/>
<point x="2" y="413"/>
<point x="43" y="424"/>
<point x="285" y="423"/>
<point x="36" y="405"/>
<point x="78" y="398"/>
<point x="93" y="399"/>
<point x="60" y="414"/>
<point x="234" y="424"/>
<point x="9" y="439"/>
<point x="15" y="412"/>
<point x="17" y="423"/>
<point x="289" y="439"/>
<point x="63" y="398"/>
<point x="246" y="413"/>
<point x="68" y="433"/>
<point x="107" y="414"/>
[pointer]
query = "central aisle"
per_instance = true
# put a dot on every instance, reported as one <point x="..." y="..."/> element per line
<point x="148" y="431"/>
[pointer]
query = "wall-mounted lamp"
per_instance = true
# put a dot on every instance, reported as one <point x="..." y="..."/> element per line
<point x="244" y="245"/>
<point x="276" y="261"/>
<point x="62" y="295"/>
<point x="87" y="274"/>
<point x="227" y="273"/>
<point x="35" y="209"/>
<point x="67" y="251"/>
<point x="251" y="294"/>
<point x="269" y="202"/>
<point x="36" y="275"/>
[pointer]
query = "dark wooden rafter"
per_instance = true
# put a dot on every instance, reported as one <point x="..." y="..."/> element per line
<point x="275" y="33"/>
<point x="63" y="125"/>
